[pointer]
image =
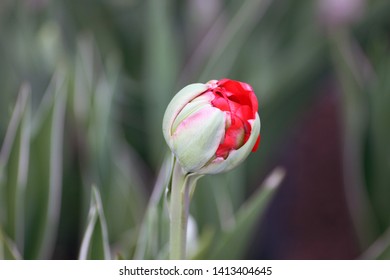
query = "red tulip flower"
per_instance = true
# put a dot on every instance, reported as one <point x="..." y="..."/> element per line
<point x="212" y="127"/>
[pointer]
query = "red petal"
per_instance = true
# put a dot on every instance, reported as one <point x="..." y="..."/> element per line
<point x="254" y="104"/>
<point x="234" y="138"/>
<point x="244" y="112"/>
<point x="241" y="93"/>
<point x="221" y="103"/>
<point x="236" y="87"/>
<point x="239" y="101"/>
<point x="256" y="146"/>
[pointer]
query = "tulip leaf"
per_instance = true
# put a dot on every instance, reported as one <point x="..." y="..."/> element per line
<point x="161" y="64"/>
<point x="8" y="249"/>
<point x="380" y="249"/>
<point x="43" y="198"/>
<point x="154" y="233"/>
<point x="13" y="169"/>
<point x="114" y="165"/>
<point x="378" y="150"/>
<point x="233" y="37"/>
<point x="232" y="243"/>
<point x="95" y="244"/>
<point x="354" y="89"/>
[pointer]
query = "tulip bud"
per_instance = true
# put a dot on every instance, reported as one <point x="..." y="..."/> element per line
<point x="212" y="127"/>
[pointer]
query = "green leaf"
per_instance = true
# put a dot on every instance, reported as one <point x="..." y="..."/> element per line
<point x="154" y="233"/>
<point x="233" y="37"/>
<point x="13" y="169"/>
<point x="8" y="249"/>
<point x="380" y="249"/>
<point x="95" y="243"/>
<point x="124" y="198"/>
<point x="161" y="66"/>
<point x="377" y="149"/>
<point x="354" y="84"/>
<point x="232" y="243"/>
<point x="44" y="184"/>
<point x="109" y="162"/>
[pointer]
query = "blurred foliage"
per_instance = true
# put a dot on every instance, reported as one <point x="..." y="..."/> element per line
<point x="84" y="85"/>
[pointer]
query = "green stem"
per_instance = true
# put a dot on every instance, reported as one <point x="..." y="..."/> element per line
<point x="179" y="208"/>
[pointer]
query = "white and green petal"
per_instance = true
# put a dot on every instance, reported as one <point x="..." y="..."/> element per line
<point x="197" y="138"/>
<point x="235" y="157"/>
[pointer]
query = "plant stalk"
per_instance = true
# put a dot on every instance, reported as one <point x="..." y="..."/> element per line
<point x="179" y="208"/>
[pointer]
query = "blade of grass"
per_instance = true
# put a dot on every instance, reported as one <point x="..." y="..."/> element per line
<point x="154" y="233"/>
<point x="354" y="89"/>
<point x="8" y="249"/>
<point x="378" y="165"/>
<point x="83" y="80"/>
<point x="95" y="243"/>
<point x="126" y="199"/>
<point x="232" y="38"/>
<point x="380" y="249"/>
<point x="232" y="243"/>
<point x="45" y="175"/>
<point x="14" y="158"/>
<point x="161" y="64"/>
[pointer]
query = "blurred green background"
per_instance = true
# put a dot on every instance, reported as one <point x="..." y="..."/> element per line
<point x="83" y="88"/>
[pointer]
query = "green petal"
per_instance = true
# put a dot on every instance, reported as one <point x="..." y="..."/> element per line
<point x="197" y="138"/>
<point x="192" y="107"/>
<point x="235" y="157"/>
<point x="181" y="99"/>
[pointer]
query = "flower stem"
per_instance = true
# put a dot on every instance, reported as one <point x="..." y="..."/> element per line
<point x="179" y="208"/>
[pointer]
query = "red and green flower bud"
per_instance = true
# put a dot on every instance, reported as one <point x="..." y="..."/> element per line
<point x="212" y="127"/>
